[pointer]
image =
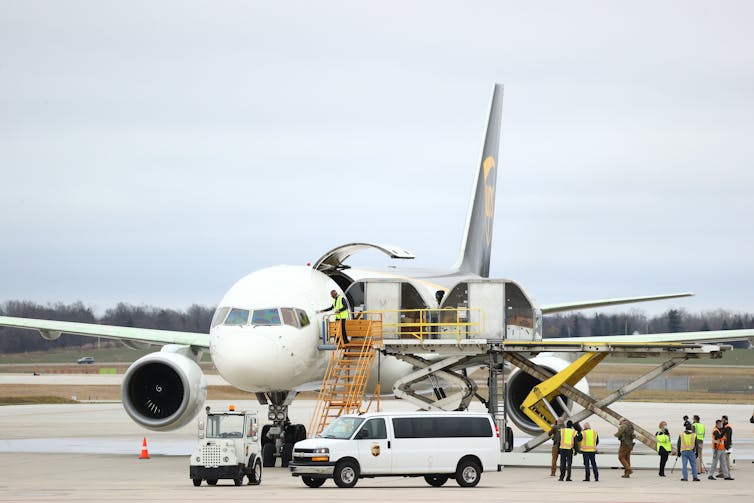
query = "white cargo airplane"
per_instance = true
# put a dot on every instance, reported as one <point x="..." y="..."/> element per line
<point x="266" y="333"/>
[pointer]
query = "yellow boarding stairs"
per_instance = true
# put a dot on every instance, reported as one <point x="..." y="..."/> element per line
<point x="348" y="371"/>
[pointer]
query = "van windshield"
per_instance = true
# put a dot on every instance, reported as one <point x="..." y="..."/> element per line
<point x="342" y="428"/>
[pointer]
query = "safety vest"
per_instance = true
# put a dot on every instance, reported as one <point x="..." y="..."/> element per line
<point x="338" y="305"/>
<point x="588" y="441"/>
<point x="718" y="445"/>
<point x="699" y="430"/>
<point x="566" y="438"/>
<point x="663" y="441"/>
<point x="688" y="440"/>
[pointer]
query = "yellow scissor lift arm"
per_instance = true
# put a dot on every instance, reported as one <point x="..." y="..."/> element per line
<point x="537" y="404"/>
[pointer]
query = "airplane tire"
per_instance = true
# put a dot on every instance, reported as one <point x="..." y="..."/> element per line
<point x="264" y="440"/>
<point x="300" y="432"/>
<point x="212" y="482"/>
<point x="286" y="453"/>
<point x="197" y="482"/>
<point x="268" y="455"/>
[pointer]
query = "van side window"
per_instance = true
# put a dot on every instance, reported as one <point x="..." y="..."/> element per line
<point x="441" y="427"/>
<point x="374" y="428"/>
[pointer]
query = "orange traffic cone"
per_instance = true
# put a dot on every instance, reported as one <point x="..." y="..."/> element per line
<point x="144" y="451"/>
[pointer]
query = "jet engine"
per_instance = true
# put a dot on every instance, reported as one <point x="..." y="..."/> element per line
<point x="163" y="391"/>
<point x="520" y="384"/>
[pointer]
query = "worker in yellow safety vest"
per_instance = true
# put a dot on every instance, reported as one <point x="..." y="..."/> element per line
<point x="699" y="430"/>
<point x="588" y="446"/>
<point x="686" y="444"/>
<point x="664" y="447"/>
<point x="341" y="313"/>
<point x="568" y="439"/>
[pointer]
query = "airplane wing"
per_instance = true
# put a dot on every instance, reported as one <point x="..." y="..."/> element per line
<point x="588" y="304"/>
<point x="52" y="329"/>
<point x="708" y="336"/>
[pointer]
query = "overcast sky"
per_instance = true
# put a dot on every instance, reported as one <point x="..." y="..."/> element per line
<point x="156" y="152"/>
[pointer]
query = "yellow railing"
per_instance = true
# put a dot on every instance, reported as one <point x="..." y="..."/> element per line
<point x="444" y="323"/>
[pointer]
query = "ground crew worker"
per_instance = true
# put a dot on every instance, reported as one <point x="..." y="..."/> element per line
<point x="341" y="313"/>
<point x="555" y="434"/>
<point x="589" y="442"/>
<point x="626" y="436"/>
<point x="699" y="431"/>
<point x="664" y="446"/>
<point x="686" y="445"/>
<point x="728" y="430"/>
<point x="567" y="441"/>
<point x="718" y="451"/>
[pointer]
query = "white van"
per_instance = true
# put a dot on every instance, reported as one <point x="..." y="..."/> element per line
<point x="436" y="445"/>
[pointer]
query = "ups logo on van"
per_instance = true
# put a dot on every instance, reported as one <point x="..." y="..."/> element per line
<point x="376" y="450"/>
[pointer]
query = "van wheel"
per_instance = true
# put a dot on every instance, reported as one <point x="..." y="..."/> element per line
<point x="436" y="480"/>
<point x="197" y="482"/>
<point x="312" y="482"/>
<point x="346" y="473"/>
<point x="238" y="480"/>
<point x="255" y="477"/>
<point x="468" y="473"/>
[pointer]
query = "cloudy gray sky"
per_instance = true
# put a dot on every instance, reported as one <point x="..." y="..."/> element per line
<point x="155" y="152"/>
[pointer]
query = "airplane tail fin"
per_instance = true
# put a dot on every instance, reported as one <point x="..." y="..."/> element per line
<point x="477" y="240"/>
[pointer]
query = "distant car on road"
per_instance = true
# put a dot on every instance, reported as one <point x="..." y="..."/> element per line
<point x="85" y="359"/>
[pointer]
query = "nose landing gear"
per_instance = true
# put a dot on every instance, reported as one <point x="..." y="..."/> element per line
<point x="278" y="438"/>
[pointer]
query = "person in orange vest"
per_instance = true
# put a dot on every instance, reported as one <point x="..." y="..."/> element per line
<point x="718" y="451"/>
<point x="568" y="438"/>
<point x="728" y="430"/>
<point x="686" y="444"/>
<point x="589" y="442"/>
<point x="555" y="434"/>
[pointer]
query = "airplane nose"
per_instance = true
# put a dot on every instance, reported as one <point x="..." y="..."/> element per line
<point x="253" y="358"/>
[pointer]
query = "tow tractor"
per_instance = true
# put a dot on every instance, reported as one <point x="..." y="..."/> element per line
<point x="227" y="448"/>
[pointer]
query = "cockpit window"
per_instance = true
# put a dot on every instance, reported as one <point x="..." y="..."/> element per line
<point x="237" y="317"/>
<point x="219" y="316"/>
<point x="289" y="316"/>
<point x="303" y="319"/>
<point x="265" y="317"/>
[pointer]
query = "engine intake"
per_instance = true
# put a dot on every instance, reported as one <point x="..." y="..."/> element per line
<point x="520" y="384"/>
<point x="163" y="391"/>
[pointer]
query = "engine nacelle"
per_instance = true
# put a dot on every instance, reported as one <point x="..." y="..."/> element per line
<point x="520" y="384"/>
<point x="163" y="391"/>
